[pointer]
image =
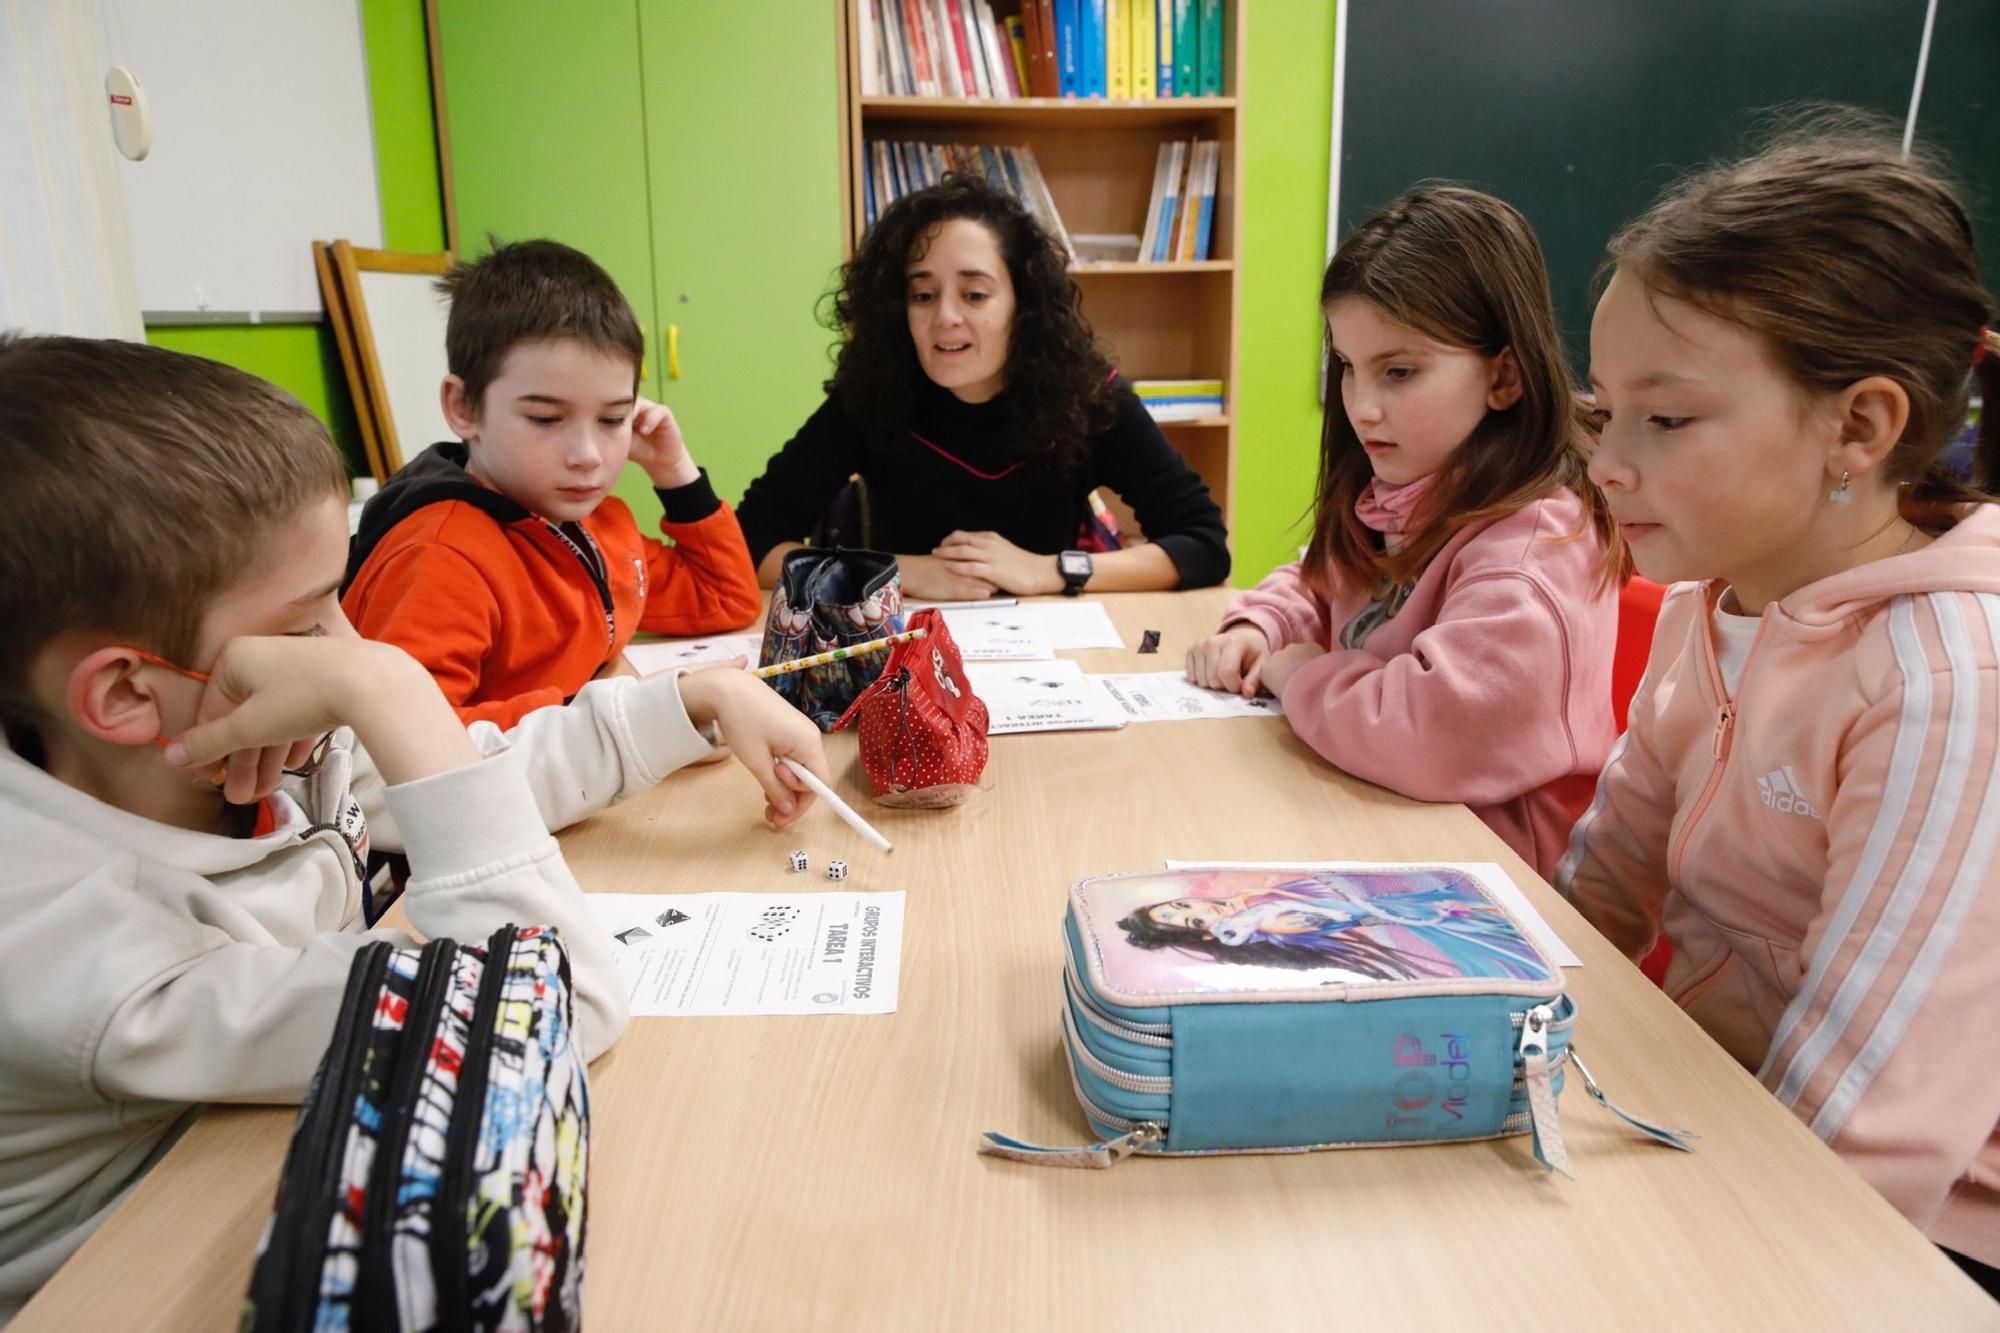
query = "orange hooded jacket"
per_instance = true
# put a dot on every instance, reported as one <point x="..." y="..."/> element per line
<point x="511" y="612"/>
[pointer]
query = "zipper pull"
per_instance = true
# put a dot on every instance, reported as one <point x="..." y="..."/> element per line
<point x="1103" y="1153"/>
<point x="1673" y="1138"/>
<point x="1549" y="1149"/>
<point x="1725" y="722"/>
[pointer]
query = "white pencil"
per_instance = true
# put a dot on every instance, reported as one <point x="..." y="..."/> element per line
<point x="840" y="807"/>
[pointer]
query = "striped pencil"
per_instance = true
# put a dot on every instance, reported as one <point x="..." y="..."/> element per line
<point x="838" y="654"/>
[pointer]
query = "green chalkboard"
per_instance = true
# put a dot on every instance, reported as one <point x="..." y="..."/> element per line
<point x="1578" y="111"/>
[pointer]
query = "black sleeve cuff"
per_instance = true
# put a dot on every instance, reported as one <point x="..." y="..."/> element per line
<point x="690" y="503"/>
<point x="1202" y="563"/>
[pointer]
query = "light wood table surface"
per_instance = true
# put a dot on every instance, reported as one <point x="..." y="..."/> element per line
<point x="819" y="1172"/>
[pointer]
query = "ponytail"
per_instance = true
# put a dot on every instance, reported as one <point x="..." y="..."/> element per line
<point x="1944" y="484"/>
<point x="1986" y="449"/>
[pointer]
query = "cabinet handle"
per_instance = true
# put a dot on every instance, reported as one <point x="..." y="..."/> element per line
<point x="673" y="351"/>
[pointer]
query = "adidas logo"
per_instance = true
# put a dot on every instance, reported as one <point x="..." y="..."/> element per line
<point x="1780" y="790"/>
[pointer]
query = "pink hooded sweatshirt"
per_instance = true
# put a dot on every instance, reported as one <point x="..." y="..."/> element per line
<point x="1490" y="686"/>
<point x="1820" y="851"/>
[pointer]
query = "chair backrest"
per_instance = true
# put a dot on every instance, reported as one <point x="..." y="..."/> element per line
<point x="848" y="520"/>
<point x="1638" y="612"/>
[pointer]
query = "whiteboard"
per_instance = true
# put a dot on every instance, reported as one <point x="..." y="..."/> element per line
<point x="407" y="318"/>
<point x="262" y="143"/>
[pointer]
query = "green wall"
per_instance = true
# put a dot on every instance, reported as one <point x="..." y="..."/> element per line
<point x="301" y="357"/>
<point x="406" y="151"/>
<point x="1289" y="81"/>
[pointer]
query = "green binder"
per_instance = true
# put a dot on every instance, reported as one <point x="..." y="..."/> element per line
<point x="1210" y="69"/>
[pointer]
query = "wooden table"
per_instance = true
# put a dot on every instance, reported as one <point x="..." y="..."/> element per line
<point x="784" y="1173"/>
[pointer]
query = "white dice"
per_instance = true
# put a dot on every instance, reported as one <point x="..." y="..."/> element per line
<point x="800" y="862"/>
<point x="836" y="870"/>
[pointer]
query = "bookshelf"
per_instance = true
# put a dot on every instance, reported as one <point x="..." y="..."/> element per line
<point x="1176" y="320"/>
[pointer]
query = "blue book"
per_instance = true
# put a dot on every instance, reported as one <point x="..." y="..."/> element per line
<point x="1171" y="202"/>
<point x="1168" y="207"/>
<point x="868" y="190"/>
<point x="1163" y="18"/>
<point x="1015" y="185"/>
<point x="1096" y="76"/>
<point x="1206" y="228"/>
<point x="1069" y="56"/>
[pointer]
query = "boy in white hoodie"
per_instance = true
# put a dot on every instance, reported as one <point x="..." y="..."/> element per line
<point x="211" y="788"/>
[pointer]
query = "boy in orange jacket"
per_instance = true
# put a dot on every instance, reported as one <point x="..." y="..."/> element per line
<point x="501" y="561"/>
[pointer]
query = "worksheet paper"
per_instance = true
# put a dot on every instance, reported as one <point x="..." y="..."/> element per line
<point x="982" y="604"/>
<point x="1054" y="626"/>
<point x="1169" y="696"/>
<point x="1040" y="696"/>
<point x="693" y="954"/>
<point x="1072" y="625"/>
<point x="1488" y="873"/>
<point x="664" y="654"/>
<point x="998" y="634"/>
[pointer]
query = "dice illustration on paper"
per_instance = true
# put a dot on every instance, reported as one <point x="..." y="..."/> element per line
<point x="775" y="922"/>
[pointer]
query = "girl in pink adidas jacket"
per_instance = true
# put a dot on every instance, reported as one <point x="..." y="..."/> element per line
<point x="1807" y="799"/>
<point x="1449" y="632"/>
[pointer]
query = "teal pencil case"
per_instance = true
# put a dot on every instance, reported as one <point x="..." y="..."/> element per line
<point x="1287" y="1010"/>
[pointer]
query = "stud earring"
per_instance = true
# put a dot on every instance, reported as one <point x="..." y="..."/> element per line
<point x="1840" y="495"/>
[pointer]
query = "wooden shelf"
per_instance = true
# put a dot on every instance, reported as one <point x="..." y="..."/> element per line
<point x="1115" y="268"/>
<point x="1044" y="112"/>
<point x="1099" y="157"/>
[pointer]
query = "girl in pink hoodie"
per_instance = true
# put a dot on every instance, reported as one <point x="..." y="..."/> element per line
<point x="1449" y="631"/>
<point x="1806" y="801"/>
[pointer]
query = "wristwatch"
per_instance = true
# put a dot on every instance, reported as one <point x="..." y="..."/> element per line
<point x="1075" y="568"/>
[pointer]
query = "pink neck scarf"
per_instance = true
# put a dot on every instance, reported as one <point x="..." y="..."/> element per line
<point x="1390" y="510"/>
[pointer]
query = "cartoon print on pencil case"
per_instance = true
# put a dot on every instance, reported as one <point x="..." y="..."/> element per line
<point x="1426" y="925"/>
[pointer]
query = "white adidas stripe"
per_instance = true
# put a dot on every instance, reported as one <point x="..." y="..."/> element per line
<point x="1973" y="869"/>
<point x="1903" y="760"/>
<point x="1932" y="834"/>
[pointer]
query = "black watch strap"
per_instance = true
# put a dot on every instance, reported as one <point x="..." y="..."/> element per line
<point x="1074" y="579"/>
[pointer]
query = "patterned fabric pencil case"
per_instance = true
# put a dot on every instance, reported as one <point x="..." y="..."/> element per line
<point x="436" y="1177"/>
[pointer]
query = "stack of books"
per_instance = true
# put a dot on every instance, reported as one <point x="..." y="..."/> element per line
<point x="1180" y="400"/>
<point x="1180" y="219"/>
<point x="894" y="169"/>
<point x="1118" y="49"/>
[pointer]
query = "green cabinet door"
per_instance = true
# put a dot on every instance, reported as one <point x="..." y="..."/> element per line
<point x="743" y="122"/>
<point x="543" y="115"/>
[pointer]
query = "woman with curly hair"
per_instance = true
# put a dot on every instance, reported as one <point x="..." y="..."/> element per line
<point x="970" y="396"/>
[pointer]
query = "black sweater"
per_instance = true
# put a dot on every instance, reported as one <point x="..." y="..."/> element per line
<point x="957" y="476"/>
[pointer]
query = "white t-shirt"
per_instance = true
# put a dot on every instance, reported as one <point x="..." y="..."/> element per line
<point x="1733" y="636"/>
